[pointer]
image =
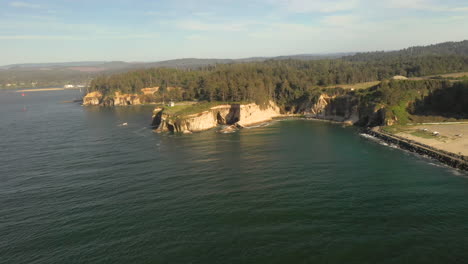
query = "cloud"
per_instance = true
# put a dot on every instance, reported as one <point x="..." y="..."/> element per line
<point x="405" y="4"/>
<point x="286" y="31"/>
<point x="204" y="14"/>
<point x="340" y="20"/>
<point x="154" y="13"/>
<point x="194" y="37"/>
<point x="196" y="25"/>
<point x="315" y="6"/>
<point x="78" y="37"/>
<point x="424" y="5"/>
<point x="458" y="9"/>
<point x="43" y="37"/>
<point x="16" y="17"/>
<point x="24" y="5"/>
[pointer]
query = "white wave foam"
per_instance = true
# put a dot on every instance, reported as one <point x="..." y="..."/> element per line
<point x="427" y="159"/>
<point x="264" y="124"/>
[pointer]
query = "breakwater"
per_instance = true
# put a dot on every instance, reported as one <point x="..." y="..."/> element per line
<point x="451" y="159"/>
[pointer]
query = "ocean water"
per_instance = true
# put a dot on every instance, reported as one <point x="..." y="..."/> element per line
<point x="76" y="186"/>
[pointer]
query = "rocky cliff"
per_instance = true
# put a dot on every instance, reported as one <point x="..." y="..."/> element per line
<point x="117" y="99"/>
<point x="93" y="98"/>
<point x="238" y="115"/>
<point x="347" y="108"/>
<point x="343" y="108"/>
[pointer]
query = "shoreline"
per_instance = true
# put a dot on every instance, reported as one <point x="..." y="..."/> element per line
<point x="44" y="89"/>
<point x="451" y="159"/>
<point x="448" y="158"/>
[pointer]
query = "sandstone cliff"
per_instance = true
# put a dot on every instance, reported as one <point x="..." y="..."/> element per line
<point x="229" y="114"/>
<point x="118" y="99"/>
<point x="93" y="98"/>
<point x="342" y="108"/>
<point x="124" y="99"/>
<point x="345" y="108"/>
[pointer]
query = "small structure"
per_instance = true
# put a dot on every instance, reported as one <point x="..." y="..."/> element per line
<point x="171" y="104"/>
<point x="399" y="77"/>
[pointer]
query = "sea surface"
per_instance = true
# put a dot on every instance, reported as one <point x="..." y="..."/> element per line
<point x="78" y="186"/>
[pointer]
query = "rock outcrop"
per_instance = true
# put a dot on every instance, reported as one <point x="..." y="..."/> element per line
<point x="150" y="90"/>
<point x="342" y="108"/>
<point x="345" y="108"/>
<point x="93" y="98"/>
<point x="229" y="114"/>
<point x="125" y="99"/>
<point x="118" y="99"/>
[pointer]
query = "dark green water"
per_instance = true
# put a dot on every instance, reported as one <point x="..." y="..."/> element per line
<point x="75" y="187"/>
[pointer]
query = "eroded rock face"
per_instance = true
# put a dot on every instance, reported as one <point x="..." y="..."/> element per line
<point x="150" y="90"/>
<point x="343" y="108"/>
<point x="96" y="98"/>
<point x="252" y="113"/>
<point x="234" y="114"/>
<point x="346" y="108"/>
<point x="93" y="98"/>
<point x="126" y="99"/>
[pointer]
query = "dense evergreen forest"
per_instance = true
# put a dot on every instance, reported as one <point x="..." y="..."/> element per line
<point x="284" y="81"/>
<point x="449" y="102"/>
<point x="292" y="83"/>
<point x="442" y="49"/>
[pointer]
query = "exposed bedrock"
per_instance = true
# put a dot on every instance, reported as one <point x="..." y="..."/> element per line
<point x="229" y="114"/>
<point x="343" y="108"/>
<point x="118" y="99"/>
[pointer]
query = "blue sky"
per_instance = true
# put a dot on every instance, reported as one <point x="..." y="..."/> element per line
<point x="137" y="30"/>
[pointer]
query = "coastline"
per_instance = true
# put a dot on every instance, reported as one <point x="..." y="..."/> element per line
<point x="44" y="89"/>
<point x="448" y="158"/>
<point x="250" y="117"/>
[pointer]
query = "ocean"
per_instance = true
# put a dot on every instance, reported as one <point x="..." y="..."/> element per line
<point x="79" y="186"/>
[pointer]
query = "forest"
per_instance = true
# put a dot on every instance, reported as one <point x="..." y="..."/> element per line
<point x="291" y="82"/>
<point x="283" y="81"/>
<point x="405" y="100"/>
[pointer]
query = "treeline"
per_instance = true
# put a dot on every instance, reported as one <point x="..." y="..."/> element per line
<point x="405" y="99"/>
<point x="449" y="102"/>
<point x="441" y="49"/>
<point x="283" y="81"/>
<point x="43" y="78"/>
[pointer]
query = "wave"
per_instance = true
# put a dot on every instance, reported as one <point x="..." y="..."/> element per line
<point x="264" y="124"/>
<point x="427" y="159"/>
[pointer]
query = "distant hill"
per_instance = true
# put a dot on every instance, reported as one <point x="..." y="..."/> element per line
<point x="53" y="64"/>
<point x="176" y="63"/>
<point x="57" y="74"/>
<point x="47" y="74"/>
<point x="446" y="48"/>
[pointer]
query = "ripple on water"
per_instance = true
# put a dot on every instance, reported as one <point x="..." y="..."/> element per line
<point x="76" y="185"/>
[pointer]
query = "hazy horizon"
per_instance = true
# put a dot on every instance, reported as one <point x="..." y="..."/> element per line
<point x="52" y="31"/>
<point x="185" y="58"/>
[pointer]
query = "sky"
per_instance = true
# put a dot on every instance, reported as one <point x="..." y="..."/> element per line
<point x="153" y="30"/>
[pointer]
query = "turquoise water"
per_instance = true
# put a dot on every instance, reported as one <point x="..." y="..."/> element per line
<point x="78" y="187"/>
